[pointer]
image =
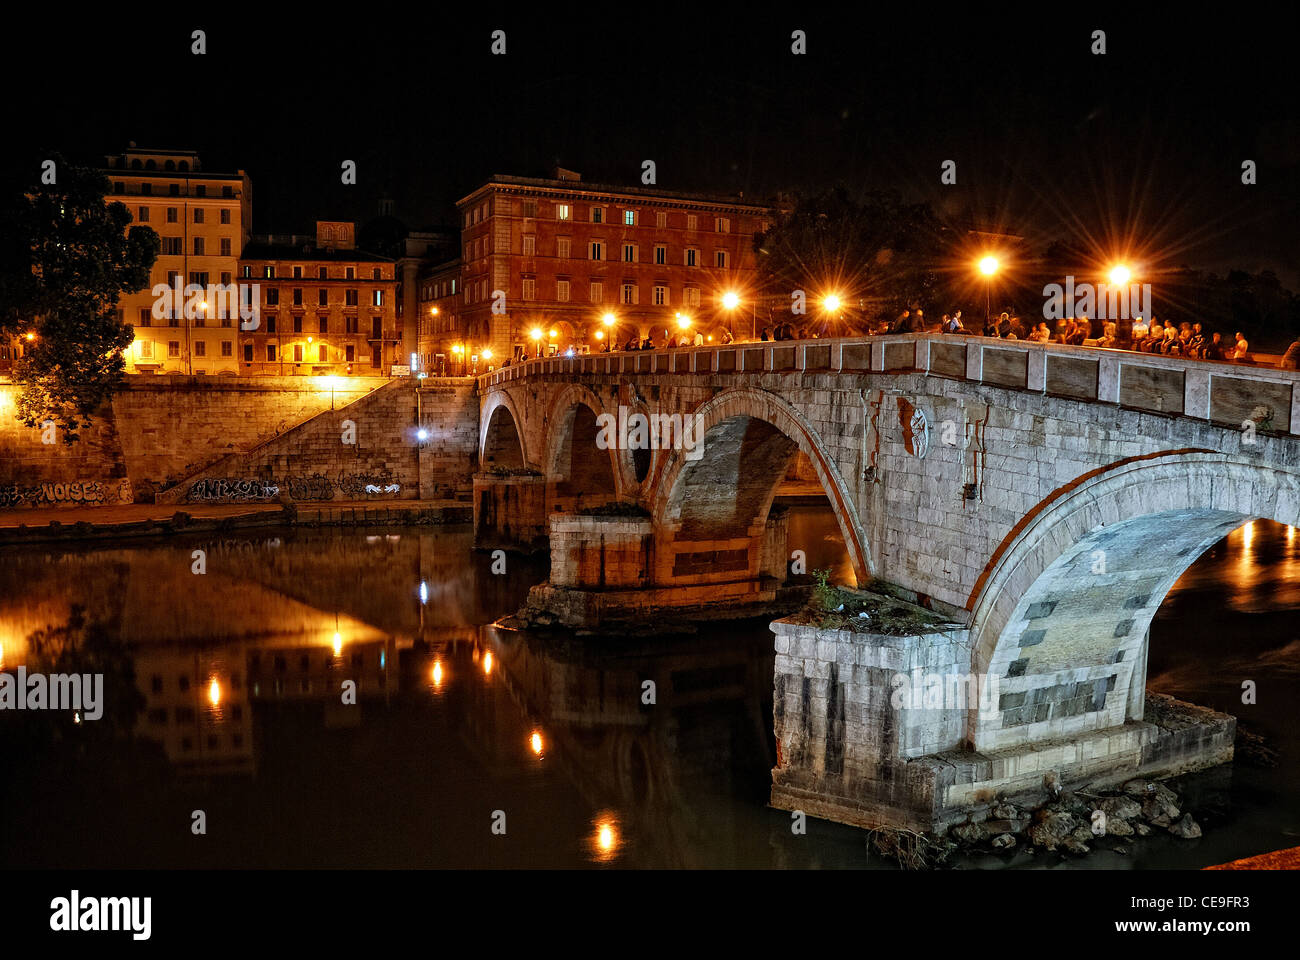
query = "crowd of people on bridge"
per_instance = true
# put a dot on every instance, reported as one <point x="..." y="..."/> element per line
<point x="1185" y="339"/>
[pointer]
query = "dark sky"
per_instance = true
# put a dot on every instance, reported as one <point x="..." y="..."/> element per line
<point x="1136" y="153"/>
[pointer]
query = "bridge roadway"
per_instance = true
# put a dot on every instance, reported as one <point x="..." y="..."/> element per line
<point x="1045" y="498"/>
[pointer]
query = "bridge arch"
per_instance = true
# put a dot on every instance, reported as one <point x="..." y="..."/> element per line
<point x="575" y="466"/>
<point x="502" y="439"/>
<point x="749" y="437"/>
<point x="1060" y="617"/>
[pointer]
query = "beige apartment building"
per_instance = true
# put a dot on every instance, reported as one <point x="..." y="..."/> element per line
<point x="203" y="220"/>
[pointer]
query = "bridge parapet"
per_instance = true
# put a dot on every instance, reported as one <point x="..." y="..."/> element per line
<point x="1222" y="393"/>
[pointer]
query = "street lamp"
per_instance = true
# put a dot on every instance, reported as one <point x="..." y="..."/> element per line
<point x="988" y="266"/>
<point x="1120" y="275"/>
<point x="536" y="334"/>
<point x="730" y="301"/>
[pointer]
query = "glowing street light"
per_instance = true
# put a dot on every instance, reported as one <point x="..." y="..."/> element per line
<point x="536" y="334"/>
<point x="1120" y="275"/>
<point x="683" y="322"/>
<point x="988" y="266"/>
<point x="609" y="319"/>
<point x="535" y="742"/>
<point x="831" y="303"/>
<point x="731" y="300"/>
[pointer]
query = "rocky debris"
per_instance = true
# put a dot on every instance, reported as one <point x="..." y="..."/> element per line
<point x="1050" y="828"/>
<point x="1253" y="749"/>
<point x="1066" y="820"/>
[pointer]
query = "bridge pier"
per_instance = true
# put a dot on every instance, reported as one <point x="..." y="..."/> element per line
<point x="871" y="731"/>
<point x="621" y="567"/>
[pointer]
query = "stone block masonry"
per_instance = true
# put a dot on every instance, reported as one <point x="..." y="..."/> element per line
<point x="370" y="449"/>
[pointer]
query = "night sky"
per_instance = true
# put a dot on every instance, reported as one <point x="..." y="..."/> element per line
<point x="1136" y="153"/>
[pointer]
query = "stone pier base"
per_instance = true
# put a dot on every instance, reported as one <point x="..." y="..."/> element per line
<point x="510" y="512"/>
<point x="859" y="743"/>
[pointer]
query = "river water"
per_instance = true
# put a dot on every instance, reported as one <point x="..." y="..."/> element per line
<point x="472" y="746"/>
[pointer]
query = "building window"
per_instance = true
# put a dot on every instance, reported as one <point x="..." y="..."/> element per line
<point x="227" y="346"/>
<point x="270" y="352"/>
<point x="171" y="214"/>
<point x="562" y="248"/>
<point x="350" y="353"/>
<point x="322" y="273"/>
<point x="661" y="219"/>
<point x="596" y="249"/>
<point x="200" y="348"/>
<point x="200" y="190"/>
<point x="720" y="258"/>
<point x="562" y="290"/>
<point x="629" y="218"/>
<point x="142" y="214"/>
<point x="349" y="298"/>
<point x="528" y="208"/>
<point x="225" y="218"/>
<point x="723" y="224"/>
<point x="530" y="245"/>
<point x="597" y="214"/>
<point x="322" y="297"/>
<point x="692" y="296"/>
<point x="661" y="296"/>
<point x="297" y="273"/>
<point x="597" y="292"/>
<point x="198" y="214"/>
<point x="378" y="300"/>
<point x="692" y="258"/>
<point x="297" y="353"/>
<point x="375" y="274"/>
<point x="629" y="293"/>
<point x="350" y="325"/>
<point x="297" y="323"/>
<point x="692" y="222"/>
<point x="351" y="273"/>
<point x="146" y="349"/>
<point x="323" y="353"/>
<point x="297" y="296"/>
<point x="530" y="288"/>
<point x="629" y="253"/>
<point x="562" y="211"/>
<point x="661" y="254"/>
<point x="225" y="246"/>
<point x="198" y="246"/>
<point x="146" y="317"/>
<point x="173" y="349"/>
<point x="272" y="296"/>
<point x="146" y="189"/>
<point x="269" y="272"/>
<point x="270" y="323"/>
<point x="248" y="353"/>
<point x="324" y="324"/>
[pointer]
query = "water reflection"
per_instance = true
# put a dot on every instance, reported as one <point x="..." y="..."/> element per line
<point x="337" y="698"/>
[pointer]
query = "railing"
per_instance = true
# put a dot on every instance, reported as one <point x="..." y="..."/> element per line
<point x="1218" y="392"/>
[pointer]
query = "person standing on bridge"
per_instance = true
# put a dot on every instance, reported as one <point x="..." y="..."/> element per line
<point x="1291" y="359"/>
<point x="1240" y="350"/>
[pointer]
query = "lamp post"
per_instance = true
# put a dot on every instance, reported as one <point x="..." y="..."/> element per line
<point x="536" y="334"/>
<point x="988" y="266"/>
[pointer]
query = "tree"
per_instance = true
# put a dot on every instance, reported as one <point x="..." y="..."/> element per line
<point x="67" y="258"/>
<point x="878" y="255"/>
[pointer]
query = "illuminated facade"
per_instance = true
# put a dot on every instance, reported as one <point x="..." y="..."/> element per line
<point x="202" y="220"/>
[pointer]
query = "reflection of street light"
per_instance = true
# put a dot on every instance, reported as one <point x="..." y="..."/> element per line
<point x="988" y="266"/>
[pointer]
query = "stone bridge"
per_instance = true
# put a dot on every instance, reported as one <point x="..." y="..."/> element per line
<point x="1042" y="498"/>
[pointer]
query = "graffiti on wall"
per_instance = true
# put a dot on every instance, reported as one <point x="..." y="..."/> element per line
<point x="231" y="488"/>
<point x="350" y="486"/>
<point x="85" y="493"/>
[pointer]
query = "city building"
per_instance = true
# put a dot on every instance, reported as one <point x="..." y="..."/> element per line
<point x="554" y="264"/>
<point x="326" y="307"/>
<point x="203" y="219"/>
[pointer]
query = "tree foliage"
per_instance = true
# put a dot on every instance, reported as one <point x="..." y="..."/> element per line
<point x="67" y="258"/>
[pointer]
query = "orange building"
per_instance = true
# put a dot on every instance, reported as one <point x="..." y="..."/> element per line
<point x="326" y="307"/>
<point x="202" y="219"/>
<point x="556" y="257"/>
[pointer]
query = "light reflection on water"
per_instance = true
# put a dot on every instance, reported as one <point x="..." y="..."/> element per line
<point x="239" y="674"/>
